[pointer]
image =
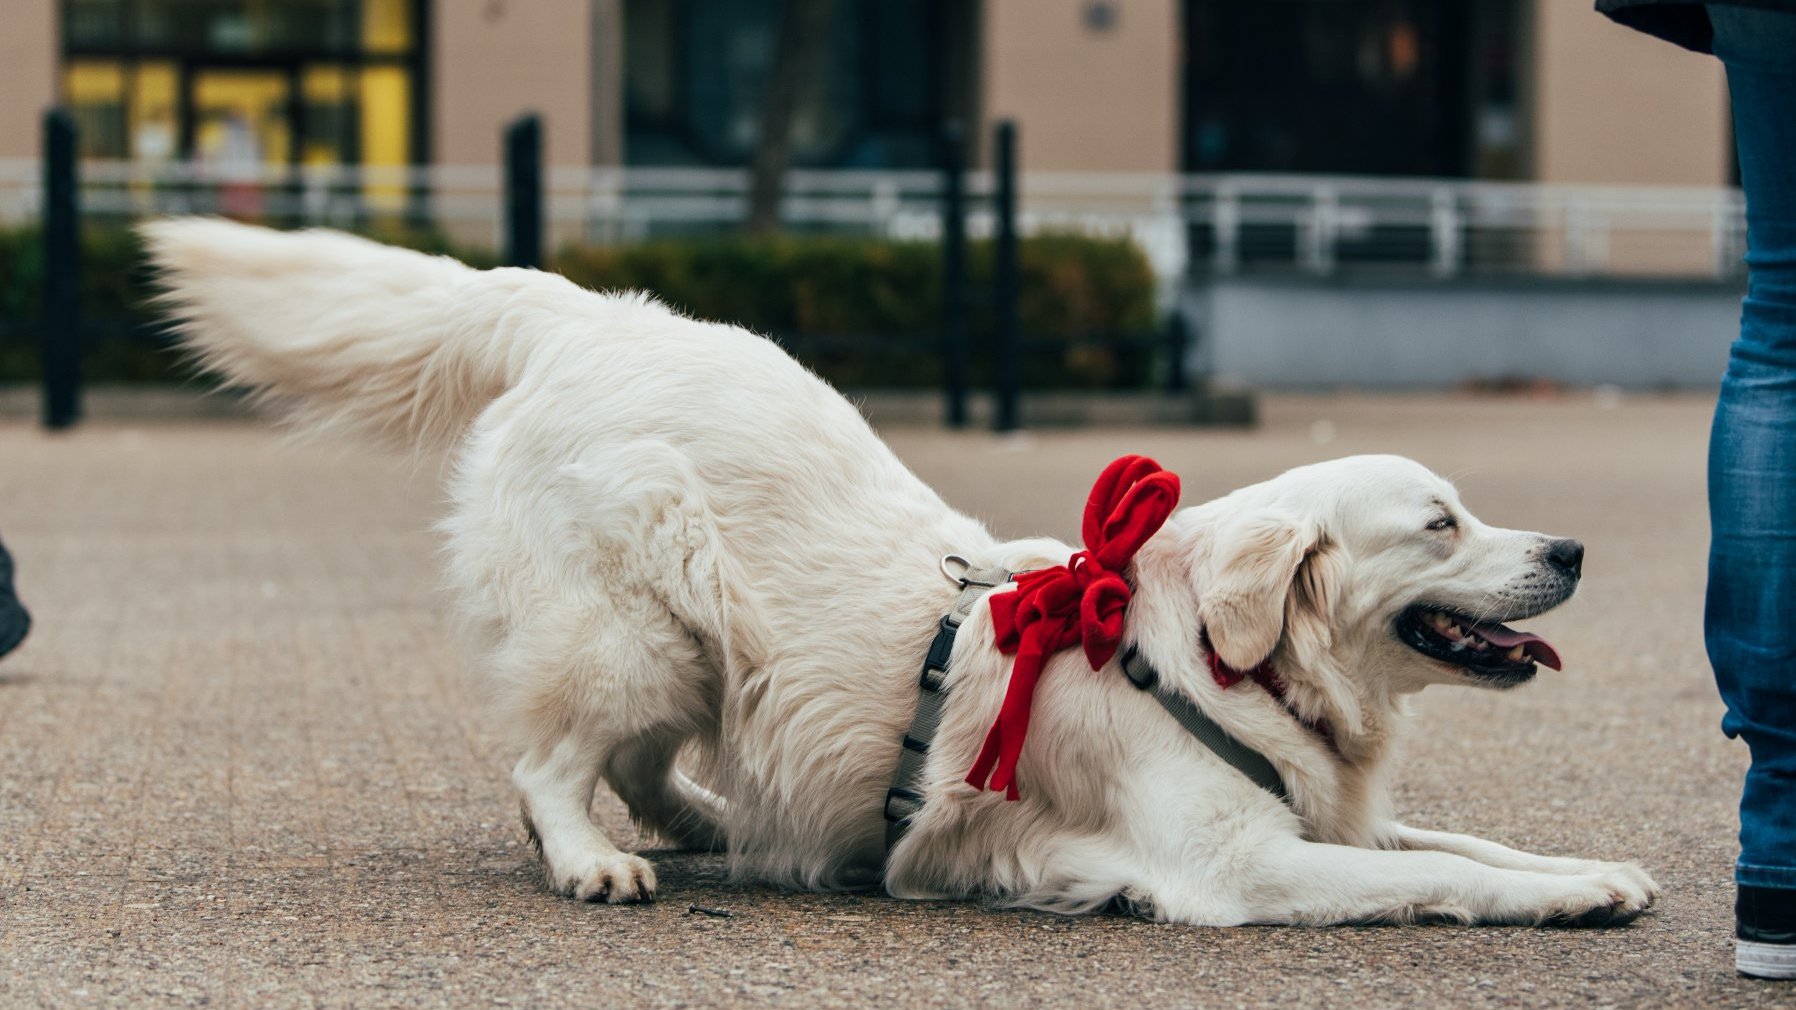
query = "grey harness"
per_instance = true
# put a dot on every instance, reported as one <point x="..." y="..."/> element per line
<point x="1239" y="756"/>
<point x="905" y="797"/>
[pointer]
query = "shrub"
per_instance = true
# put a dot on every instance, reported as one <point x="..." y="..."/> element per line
<point x="861" y="312"/>
<point x="866" y="312"/>
<point x="121" y="338"/>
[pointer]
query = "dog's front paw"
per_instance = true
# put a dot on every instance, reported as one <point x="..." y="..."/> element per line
<point x="1636" y="877"/>
<point x="1614" y="896"/>
<point x="617" y="878"/>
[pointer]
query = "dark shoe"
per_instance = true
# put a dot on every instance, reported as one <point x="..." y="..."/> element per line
<point x="14" y="621"/>
<point x="1765" y="932"/>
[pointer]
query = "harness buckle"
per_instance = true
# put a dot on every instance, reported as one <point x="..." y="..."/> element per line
<point x="941" y="648"/>
<point x="901" y="803"/>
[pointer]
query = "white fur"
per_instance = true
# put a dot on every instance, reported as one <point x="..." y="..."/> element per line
<point x="683" y="549"/>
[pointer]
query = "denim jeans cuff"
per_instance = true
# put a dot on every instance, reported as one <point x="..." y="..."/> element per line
<point x="1765" y="876"/>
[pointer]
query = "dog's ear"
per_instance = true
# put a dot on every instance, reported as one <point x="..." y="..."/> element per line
<point x="1257" y="578"/>
<point x="1309" y="609"/>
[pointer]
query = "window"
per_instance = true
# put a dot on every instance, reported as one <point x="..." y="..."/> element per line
<point x="877" y="95"/>
<point x="242" y="84"/>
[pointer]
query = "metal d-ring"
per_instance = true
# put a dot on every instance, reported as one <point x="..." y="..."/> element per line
<point x="950" y="562"/>
<point x="955" y="560"/>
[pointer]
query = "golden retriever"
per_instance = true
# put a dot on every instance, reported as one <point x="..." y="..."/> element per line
<point x="699" y="576"/>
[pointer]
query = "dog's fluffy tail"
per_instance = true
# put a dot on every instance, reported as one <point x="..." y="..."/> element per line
<point x="344" y="334"/>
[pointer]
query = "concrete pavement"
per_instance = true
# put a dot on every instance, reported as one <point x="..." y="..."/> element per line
<point x="242" y="764"/>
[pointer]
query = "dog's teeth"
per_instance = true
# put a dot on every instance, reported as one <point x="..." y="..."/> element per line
<point x="1515" y="653"/>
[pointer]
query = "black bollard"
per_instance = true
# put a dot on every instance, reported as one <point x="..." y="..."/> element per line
<point x="1004" y="280"/>
<point x="954" y="274"/>
<point x="524" y="192"/>
<point x="62" y="273"/>
<point x="1178" y="345"/>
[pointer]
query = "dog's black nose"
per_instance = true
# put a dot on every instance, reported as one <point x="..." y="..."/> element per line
<point x="1566" y="555"/>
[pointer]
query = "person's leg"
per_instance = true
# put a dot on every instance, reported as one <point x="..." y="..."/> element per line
<point x="1751" y="612"/>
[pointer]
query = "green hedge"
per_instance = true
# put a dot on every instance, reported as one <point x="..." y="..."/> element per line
<point x="866" y="312"/>
<point x="862" y="312"/>
<point x="114" y="292"/>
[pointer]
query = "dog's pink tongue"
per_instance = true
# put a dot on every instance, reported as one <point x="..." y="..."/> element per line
<point x="1503" y="637"/>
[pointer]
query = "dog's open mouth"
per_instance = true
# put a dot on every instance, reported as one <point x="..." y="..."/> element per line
<point x="1484" y="649"/>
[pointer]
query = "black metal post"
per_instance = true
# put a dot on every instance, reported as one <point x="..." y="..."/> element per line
<point x="954" y="273"/>
<point x="1178" y="345"/>
<point x="62" y="273"/>
<point x="1004" y="269"/>
<point x="524" y="192"/>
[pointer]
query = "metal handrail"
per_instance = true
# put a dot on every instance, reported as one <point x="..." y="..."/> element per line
<point x="1204" y="223"/>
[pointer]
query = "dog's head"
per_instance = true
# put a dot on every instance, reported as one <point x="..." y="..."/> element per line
<point x="1371" y="565"/>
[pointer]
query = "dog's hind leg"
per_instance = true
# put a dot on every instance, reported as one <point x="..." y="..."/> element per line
<point x="582" y="576"/>
<point x="662" y="799"/>
<point x="557" y="783"/>
<point x="626" y="673"/>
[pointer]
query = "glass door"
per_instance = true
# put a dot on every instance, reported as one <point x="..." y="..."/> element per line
<point x="242" y="127"/>
<point x="241" y="120"/>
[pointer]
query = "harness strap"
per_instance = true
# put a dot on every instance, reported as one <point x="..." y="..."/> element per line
<point x="905" y="797"/>
<point x="1238" y="755"/>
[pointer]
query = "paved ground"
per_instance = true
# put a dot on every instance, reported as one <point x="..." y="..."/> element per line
<point x="241" y="764"/>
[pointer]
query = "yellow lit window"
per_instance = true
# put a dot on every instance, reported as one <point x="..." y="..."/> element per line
<point x="240" y="120"/>
<point x="155" y="111"/>
<point x="245" y="85"/>
<point x="95" y="93"/>
<point x="386" y="119"/>
<point x="386" y="26"/>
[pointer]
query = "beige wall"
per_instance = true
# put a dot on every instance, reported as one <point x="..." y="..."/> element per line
<point x="1609" y="105"/>
<point x="497" y="59"/>
<point x="1084" y="100"/>
<point x="28" y="47"/>
<point x="1612" y="105"/>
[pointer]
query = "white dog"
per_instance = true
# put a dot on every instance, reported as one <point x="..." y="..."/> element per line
<point x="702" y="578"/>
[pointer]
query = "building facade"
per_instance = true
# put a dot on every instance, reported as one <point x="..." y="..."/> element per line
<point x="1541" y="90"/>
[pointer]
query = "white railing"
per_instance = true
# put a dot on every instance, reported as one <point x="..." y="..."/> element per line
<point x="1319" y="225"/>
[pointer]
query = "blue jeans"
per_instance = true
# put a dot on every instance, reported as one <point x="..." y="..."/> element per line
<point x="1751" y="614"/>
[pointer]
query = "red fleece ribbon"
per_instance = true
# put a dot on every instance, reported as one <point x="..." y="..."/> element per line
<point x="1081" y="601"/>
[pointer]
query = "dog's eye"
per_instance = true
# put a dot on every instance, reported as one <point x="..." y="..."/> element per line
<point x="1443" y="523"/>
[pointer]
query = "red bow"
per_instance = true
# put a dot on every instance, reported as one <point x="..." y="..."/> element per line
<point x="1080" y="601"/>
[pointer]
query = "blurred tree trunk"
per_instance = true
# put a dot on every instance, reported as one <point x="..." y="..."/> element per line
<point x="803" y="32"/>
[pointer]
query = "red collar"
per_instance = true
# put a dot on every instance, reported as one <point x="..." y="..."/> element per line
<point x="1264" y="675"/>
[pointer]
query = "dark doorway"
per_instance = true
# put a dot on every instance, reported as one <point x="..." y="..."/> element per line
<point x="1374" y="87"/>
